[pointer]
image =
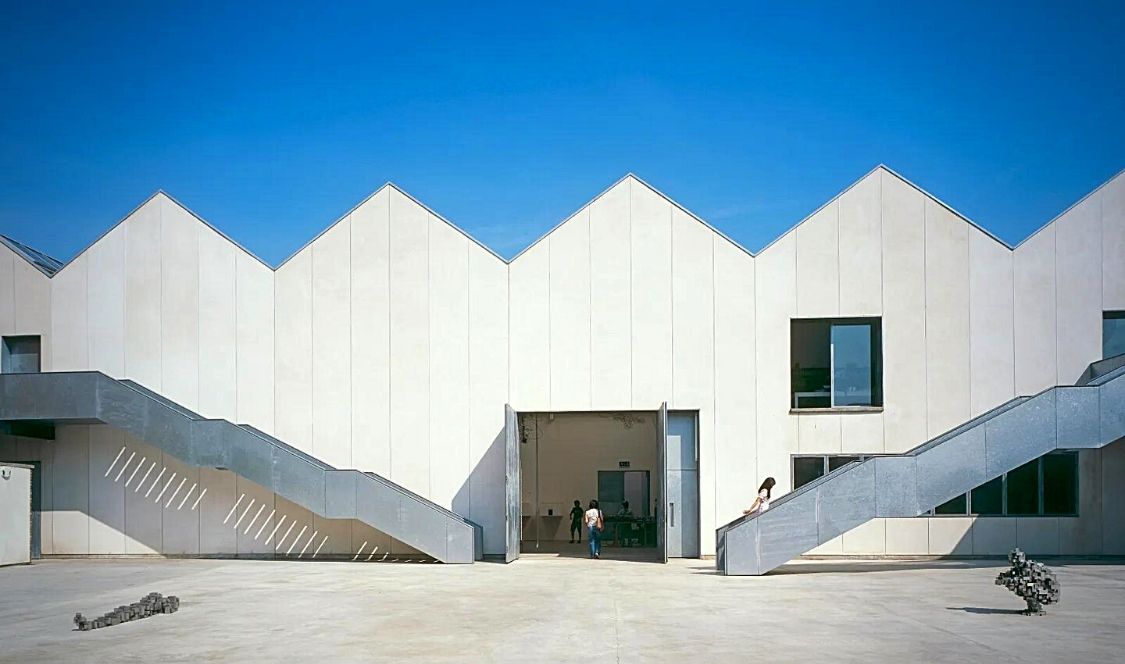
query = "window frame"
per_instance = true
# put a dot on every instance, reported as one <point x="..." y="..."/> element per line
<point x="875" y="324"/>
<point x="1040" y="511"/>
<point x="968" y="495"/>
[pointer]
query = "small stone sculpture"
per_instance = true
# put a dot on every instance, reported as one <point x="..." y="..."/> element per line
<point x="151" y="604"/>
<point x="1030" y="580"/>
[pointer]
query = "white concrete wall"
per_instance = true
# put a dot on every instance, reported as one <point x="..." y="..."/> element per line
<point x="392" y="341"/>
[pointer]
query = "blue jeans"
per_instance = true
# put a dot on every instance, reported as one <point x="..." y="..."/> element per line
<point x="595" y="541"/>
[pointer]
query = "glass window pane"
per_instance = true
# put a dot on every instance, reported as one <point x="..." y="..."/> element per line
<point x="837" y="461"/>
<point x="809" y="350"/>
<point x="852" y="383"/>
<point x="806" y="469"/>
<point x="959" y="505"/>
<point x="1023" y="489"/>
<point x="988" y="498"/>
<point x="1113" y="333"/>
<point x="1060" y="483"/>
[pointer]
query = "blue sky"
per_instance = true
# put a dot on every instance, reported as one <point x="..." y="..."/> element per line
<point x="271" y="121"/>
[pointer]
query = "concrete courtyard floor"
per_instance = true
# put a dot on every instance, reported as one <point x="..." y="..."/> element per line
<point x="554" y="609"/>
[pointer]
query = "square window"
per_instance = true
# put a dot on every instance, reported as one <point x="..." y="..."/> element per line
<point x="836" y="363"/>
<point x="1113" y="333"/>
<point x="807" y="469"/>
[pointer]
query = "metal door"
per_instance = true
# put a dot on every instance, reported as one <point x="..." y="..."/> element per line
<point x="682" y="468"/>
<point x="513" y="517"/>
<point x="662" y="469"/>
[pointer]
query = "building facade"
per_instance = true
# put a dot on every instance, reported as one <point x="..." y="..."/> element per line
<point x="392" y="342"/>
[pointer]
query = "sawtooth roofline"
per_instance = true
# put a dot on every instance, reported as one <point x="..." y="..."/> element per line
<point x="627" y="177"/>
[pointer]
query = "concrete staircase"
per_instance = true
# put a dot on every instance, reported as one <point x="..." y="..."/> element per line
<point x="91" y="398"/>
<point x="1088" y="415"/>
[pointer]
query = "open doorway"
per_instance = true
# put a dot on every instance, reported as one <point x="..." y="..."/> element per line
<point x="622" y="459"/>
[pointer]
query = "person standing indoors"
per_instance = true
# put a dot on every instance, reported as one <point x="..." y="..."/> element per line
<point x="576" y="513"/>
<point x="762" y="502"/>
<point x="595" y="522"/>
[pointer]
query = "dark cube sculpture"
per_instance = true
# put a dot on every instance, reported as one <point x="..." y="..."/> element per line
<point x="150" y="605"/>
<point x="1030" y="580"/>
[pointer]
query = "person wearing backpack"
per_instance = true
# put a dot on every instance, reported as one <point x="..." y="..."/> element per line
<point x="595" y="523"/>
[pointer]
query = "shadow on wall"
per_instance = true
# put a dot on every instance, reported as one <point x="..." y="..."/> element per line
<point x="481" y="498"/>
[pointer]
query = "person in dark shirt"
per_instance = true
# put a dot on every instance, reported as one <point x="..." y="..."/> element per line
<point x="576" y="513"/>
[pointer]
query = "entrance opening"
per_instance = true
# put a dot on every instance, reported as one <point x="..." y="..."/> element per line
<point x="621" y="459"/>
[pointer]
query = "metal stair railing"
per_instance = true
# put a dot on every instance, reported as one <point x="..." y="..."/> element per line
<point x="1088" y="415"/>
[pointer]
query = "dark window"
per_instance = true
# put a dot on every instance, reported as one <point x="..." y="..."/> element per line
<point x="21" y="355"/>
<point x="837" y="363"/>
<point x="1060" y="484"/>
<point x="835" y="462"/>
<point x="988" y="498"/>
<point x="807" y="469"/>
<point x="959" y="505"/>
<point x="1113" y="333"/>
<point x="1023" y="490"/>
<point x="1047" y="486"/>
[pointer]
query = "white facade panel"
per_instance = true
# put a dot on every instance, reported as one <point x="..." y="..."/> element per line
<point x="904" y="315"/>
<point x="818" y="264"/>
<point x="1035" y="350"/>
<point x="651" y="296"/>
<point x="32" y="299"/>
<point x="332" y="346"/>
<point x="947" y="319"/>
<point x="142" y="294"/>
<point x="69" y="331"/>
<point x="775" y="299"/>
<point x="179" y="304"/>
<point x="144" y="523"/>
<point x="105" y="267"/>
<point x="7" y="290"/>
<point x="530" y="325"/>
<point x="107" y="489"/>
<point x="735" y="446"/>
<point x="449" y="361"/>
<point x="570" y="313"/>
<point x="991" y="320"/>
<point x="1113" y="244"/>
<point x="861" y="256"/>
<point x="488" y="377"/>
<point x="293" y="351"/>
<point x="1078" y="288"/>
<point x="254" y="336"/>
<point x="70" y="494"/>
<point x="370" y="323"/>
<point x="410" y="344"/>
<point x="610" y="317"/>
<point x="218" y="344"/>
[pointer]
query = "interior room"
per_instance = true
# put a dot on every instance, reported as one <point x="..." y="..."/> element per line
<point x="607" y="456"/>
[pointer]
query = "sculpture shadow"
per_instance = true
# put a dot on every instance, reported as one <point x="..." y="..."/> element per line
<point x="985" y="610"/>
